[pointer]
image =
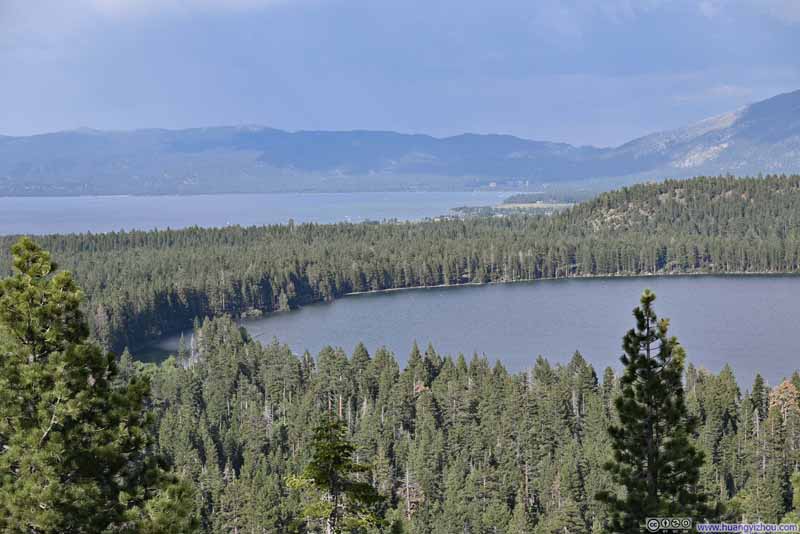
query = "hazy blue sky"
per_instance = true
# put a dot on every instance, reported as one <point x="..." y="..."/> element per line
<point x="582" y="71"/>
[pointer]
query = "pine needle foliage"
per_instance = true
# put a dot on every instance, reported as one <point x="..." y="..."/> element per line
<point x="654" y="460"/>
<point x="75" y="450"/>
<point x="336" y="500"/>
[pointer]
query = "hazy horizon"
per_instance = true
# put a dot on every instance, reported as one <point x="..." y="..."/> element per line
<point x="586" y="73"/>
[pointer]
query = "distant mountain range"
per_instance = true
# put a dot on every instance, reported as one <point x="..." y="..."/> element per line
<point x="761" y="138"/>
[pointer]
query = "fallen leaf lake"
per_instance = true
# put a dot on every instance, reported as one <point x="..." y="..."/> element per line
<point x="744" y="321"/>
<point x="748" y="322"/>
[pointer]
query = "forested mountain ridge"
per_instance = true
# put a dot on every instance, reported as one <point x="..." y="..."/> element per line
<point x="721" y="206"/>
<point x="762" y="137"/>
<point x="140" y="285"/>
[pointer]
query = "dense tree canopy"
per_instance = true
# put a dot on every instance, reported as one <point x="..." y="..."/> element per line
<point x="455" y="444"/>
<point x="448" y="441"/>
<point x="75" y="448"/>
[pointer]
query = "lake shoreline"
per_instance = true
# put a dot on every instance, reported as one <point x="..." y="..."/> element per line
<point x="258" y="315"/>
<point x="551" y="279"/>
<point x="719" y="319"/>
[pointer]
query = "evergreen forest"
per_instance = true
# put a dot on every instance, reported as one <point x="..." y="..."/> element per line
<point x="455" y="444"/>
<point x="230" y="435"/>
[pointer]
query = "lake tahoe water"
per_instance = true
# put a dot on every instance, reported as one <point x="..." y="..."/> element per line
<point x="746" y="321"/>
<point x="45" y="215"/>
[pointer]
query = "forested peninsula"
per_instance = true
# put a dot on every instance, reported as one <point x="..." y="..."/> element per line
<point x="141" y="285"/>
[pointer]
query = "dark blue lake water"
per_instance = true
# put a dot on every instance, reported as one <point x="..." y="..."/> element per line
<point x="749" y="322"/>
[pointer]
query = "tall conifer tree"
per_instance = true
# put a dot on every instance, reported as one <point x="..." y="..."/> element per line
<point x="654" y="460"/>
<point x="335" y="498"/>
<point x="75" y="451"/>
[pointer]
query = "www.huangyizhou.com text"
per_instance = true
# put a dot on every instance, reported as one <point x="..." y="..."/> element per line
<point x="684" y="525"/>
<point x="747" y="527"/>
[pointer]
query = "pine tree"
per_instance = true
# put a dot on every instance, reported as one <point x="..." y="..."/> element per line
<point x="424" y="467"/>
<point x="335" y="497"/>
<point x="794" y="514"/>
<point x="760" y="396"/>
<point x="766" y="494"/>
<point x="654" y="459"/>
<point x="126" y="368"/>
<point x="522" y="520"/>
<point x="75" y="451"/>
<point x="360" y="368"/>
